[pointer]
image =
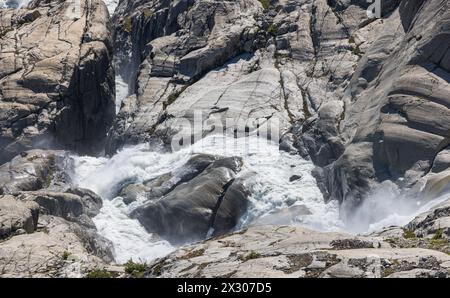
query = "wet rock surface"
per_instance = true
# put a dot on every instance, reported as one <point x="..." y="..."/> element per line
<point x="207" y="201"/>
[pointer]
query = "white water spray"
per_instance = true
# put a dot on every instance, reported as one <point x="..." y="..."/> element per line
<point x="13" y="3"/>
<point x="268" y="168"/>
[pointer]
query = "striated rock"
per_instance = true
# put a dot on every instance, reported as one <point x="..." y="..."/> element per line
<point x="17" y="216"/>
<point x="69" y="206"/>
<point x="56" y="86"/>
<point x="32" y="170"/>
<point x="283" y="251"/>
<point x="212" y="201"/>
<point x="396" y="112"/>
<point x="227" y="60"/>
<point x="38" y="200"/>
<point x="55" y="250"/>
<point x="436" y="220"/>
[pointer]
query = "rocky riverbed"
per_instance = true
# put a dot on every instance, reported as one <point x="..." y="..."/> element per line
<point x="351" y="180"/>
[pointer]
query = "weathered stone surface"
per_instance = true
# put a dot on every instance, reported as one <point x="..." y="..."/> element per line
<point x="31" y="170"/>
<point x="38" y="200"/>
<point x="395" y="124"/>
<point x="210" y="201"/>
<point x="56" y="86"/>
<point x="261" y="68"/>
<point x="55" y="250"/>
<point x="17" y="216"/>
<point x="283" y="251"/>
<point x="437" y="220"/>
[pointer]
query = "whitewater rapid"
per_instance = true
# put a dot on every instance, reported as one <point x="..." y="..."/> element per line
<point x="275" y="197"/>
<point x="267" y="170"/>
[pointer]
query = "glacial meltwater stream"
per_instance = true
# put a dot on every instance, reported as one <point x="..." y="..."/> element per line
<point x="267" y="170"/>
<point x="275" y="197"/>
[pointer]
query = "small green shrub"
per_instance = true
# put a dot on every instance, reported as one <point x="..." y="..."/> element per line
<point x="251" y="256"/>
<point x="438" y="235"/>
<point x="99" y="273"/>
<point x="408" y="234"/>
<point x="265" y="4"/>
<point x="173" y="97"/>
<point x="357" y="51"/>
<point x="127" y="25"/>
<point x="65" y="255"/>
<point x="136" y="270"/>
<point x="272" y="30"/>
<point x="148" y="13"/>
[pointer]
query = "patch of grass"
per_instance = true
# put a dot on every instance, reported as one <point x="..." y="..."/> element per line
<point x="351" y="39"/>
<point x="251" y="256"/>
<point x="136" y="270"/>
<point x="265" y="4"/>
<point x="173" y="97"/>
<point x="194" y="254"/>
<point x="99" y="273"/>
<point x="127" y="25"/>
<point x="409" y="234"/>
<point x="357" y="51"/>
<point x="65" y="255"/>
<point x="272" y="30"/>
<point x="148" y="13"/>
<point x="439" y="234"/>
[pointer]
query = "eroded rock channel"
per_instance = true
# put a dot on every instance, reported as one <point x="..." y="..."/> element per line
<point x="92" y="98"/>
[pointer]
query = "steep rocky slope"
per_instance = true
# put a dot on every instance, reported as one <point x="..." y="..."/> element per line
<point x="395" y="125"/>
<point x="56" y="91"/>
<point x="228" y="60"/>
<point x="365" y="99"/>
<point x="56" y="77"/>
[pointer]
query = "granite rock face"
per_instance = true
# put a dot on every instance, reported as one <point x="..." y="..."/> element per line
<point x="262" y="69"/>
<point x="420" y="249"/>
<point x="56" y="77"/>
<point x="46" y="227"/>
<point x="395" y="125"/>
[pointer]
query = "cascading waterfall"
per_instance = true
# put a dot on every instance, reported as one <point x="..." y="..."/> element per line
<point x="275" y="197"/>
<point x="268" y="173"/>
<point x="268" y="170"/>
<point x="13" y="3"/>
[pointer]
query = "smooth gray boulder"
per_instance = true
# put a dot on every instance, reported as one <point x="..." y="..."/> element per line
<point x="211" y="202"/>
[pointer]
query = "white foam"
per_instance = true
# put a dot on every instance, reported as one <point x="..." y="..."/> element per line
<point x="13" y="3"/>
<point x="130" y="239"/>
<point x="111" y="4"/>
<point x="387" y="206"/>
<point x="269" y="171"/>
<point x="121" y="92"/>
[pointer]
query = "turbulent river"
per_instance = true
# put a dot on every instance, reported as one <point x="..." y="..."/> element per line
<point x="268" y="170"/>
<point x="275" y="198"/>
